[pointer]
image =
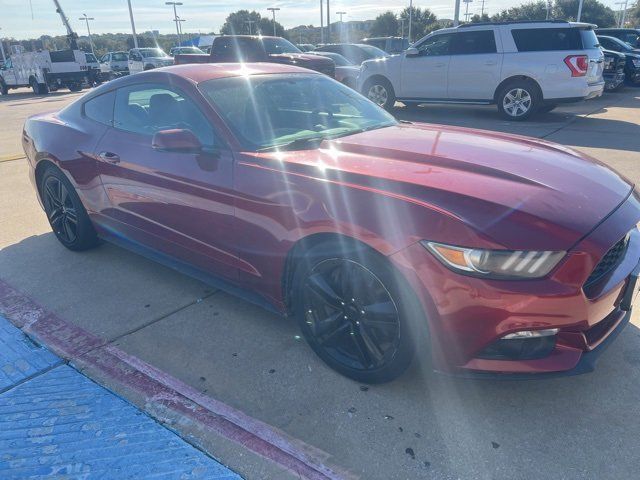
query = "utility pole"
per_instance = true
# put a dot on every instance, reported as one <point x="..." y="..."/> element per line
<point x="180" y="20"/>
<point x="456" y="14"/>
<point x="250" y="22"/>
<point x="328" y="24"/>
<point x="466" y="12"/>
<point x="176" y="18"/>
<point x="133" y="25"/>
<point x="410" y="18"/>
<point x="341" y="25"/>
<point x="549" y="5"/>
<point x="273" y="10"/>
<point x="321" y="23"/>
<point x="482" y="9"/>
<point x="624" y="14"/>
<point x="86" y="19"/>
<point x="402" y="27"/>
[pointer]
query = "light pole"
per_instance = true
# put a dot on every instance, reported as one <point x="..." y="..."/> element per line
<point x="341" y="25"/>
<point x="175" y="18"/>
<point x="273" y="10"/>
<point x="466" y="11"/>
<point x="579" y="10"/>
<point x="133" y="26"/>
<point x="321" y="23"/>
<point x="456" y="14"/>
<point x="328" y="24"/>
<point x="410" y="18"/>
<point x="624" y="14"/>
<point x="250" y="22"/>
<point x="86" y="19"/>
<point x="180" y="20"/>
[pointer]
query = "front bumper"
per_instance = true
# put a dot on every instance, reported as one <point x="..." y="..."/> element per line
<point x="465" y="315"/>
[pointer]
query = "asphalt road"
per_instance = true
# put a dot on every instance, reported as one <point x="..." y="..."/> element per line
<point x="421" y="426"/>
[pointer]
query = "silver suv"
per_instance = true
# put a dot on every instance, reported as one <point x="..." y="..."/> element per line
<point x="522" y="67"/>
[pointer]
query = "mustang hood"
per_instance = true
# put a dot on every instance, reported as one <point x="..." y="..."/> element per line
<point x="517" y="192"/>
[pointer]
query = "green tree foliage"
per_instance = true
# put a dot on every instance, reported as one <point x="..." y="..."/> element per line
<point x="480" y="18"/>
<point x="385" y="25"/>
<point x="423" y="21"/>
<point x="237" y="23"/>
<point x="593" y="11"/>
<point x="527" y="11"/>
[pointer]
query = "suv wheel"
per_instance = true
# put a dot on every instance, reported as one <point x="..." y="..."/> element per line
<point x="4" y="90"/>
<point x="518" y="100"/>
<point x="380" y="92"/>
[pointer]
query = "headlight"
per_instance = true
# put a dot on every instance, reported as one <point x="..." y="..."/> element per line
<point x="495" y="263"/>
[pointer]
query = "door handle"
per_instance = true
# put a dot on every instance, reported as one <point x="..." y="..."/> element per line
<point x="109" y="157"/>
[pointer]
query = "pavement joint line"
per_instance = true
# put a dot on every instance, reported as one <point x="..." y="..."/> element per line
<point x="85" y="352"/>
<point x="31" y="377"/>
<point x="11" y="158"/>
<point x="156" y="320"/>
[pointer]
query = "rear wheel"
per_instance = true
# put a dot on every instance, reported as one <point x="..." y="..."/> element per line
<point x="35" y="86"/>
<point x="4" y="90"/>
<point x="66" y="215"/>
<point x="353" y="314"/>
<point x="518" y="100"/>
<point x="380" y="91"/>
<point x="75" y="87"/>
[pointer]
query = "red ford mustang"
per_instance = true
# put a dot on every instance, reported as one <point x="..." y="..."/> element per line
<point x="499" y="255"/>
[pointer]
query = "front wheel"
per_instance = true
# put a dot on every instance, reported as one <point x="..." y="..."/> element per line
<point x="518" y="100"/>
<point x="353" y="313"/>
<point x="4" y="90"/>
<point x="380" y="91"/>
<point x="75" y="87"/>
<point x="65" y="212"/>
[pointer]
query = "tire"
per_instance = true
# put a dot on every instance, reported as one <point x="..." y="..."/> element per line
<point x="518" y="100"/>
<point x="66" y="214"/>
<point x="380" y="91"/>
<point x="75" y="87"/>
<point x="44" y="88"/>
<point x="35" y="86"/>
<point x="332" y="290"/>
<point x="4" y="90"/>
<point x="148" y="67"/>
<point x="546" y="108"/>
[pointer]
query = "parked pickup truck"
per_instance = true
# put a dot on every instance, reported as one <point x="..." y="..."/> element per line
<point x="247" y="48"/>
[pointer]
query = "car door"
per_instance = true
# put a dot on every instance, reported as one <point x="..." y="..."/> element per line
<point x="135" y="62"/>
<point x="423" y="75"/>
<point x="474" y="68"/>
<point x="9" y="73"/>
<point x="177" y="202"/>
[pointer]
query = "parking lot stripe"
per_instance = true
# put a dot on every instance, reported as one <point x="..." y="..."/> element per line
<point x="92" y="354"/>
<point x="9" y="158"/>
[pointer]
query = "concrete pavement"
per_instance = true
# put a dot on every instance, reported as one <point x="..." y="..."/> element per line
<point x="421" y="426"/>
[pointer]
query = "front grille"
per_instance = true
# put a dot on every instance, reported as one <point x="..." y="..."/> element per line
<point x="609" y="261"/>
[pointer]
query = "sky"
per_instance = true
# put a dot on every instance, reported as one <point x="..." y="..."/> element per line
<point x="201" y="15"/>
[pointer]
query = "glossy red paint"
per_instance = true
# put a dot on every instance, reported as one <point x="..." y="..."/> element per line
<point x="238" y="214"/>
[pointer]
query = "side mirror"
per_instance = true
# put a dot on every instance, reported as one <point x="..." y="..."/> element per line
<point x="411" y="52"/>
<point x="176" y="140"/>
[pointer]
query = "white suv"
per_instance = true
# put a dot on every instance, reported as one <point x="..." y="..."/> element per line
<point x="141" y="59"/>
<point x="521" y="67"/>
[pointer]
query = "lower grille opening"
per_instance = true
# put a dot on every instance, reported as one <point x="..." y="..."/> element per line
<point x="519" y="349"/>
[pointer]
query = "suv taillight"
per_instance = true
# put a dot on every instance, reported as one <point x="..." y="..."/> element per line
<point x="578" y="64"/>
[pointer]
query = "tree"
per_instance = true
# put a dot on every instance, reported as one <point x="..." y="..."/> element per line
<point x="422" y="22"/>
<point x="593" y="11"/>
<point x="385" y="25"/>
<point x="480" y="18"/>
<point x="265" y="27"/>
<point x="528" y="11"/>
<point x="237" y="23"/>
<point x="633" y="16"/>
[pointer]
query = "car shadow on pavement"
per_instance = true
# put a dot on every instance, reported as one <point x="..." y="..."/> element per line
<point x="421" y="425"/>
<point x="29" y="95"/>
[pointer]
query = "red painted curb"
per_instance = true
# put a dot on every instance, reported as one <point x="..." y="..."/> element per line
<point x="88" y="351"/>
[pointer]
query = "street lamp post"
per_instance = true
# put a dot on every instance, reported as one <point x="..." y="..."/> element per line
<point x="273" y="10"/>
<point x="579" y="10"/>
<point x="456" y="14"/>
<point x="250" y="22"/>
<point x="410" y="18"/>
<point x="321" y="23"/>
<point x="341" y="25"/>
<point x="328" y="24"/>
<point x="133" y="25"/>
<point x="176" y="18"/>
<point x="466" y="12"/>
<point x="86" y="19"/>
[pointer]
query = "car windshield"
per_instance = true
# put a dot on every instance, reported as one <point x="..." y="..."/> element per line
<point x="119" y="56"/>
<point x="152" y="52"/>
<point x="373" y="52"/>
<point x="338" y="59"/>
<point x="182" y="50"/>
<point x="624" y="46"/>
<point x="291" y="111"/>
<point x="279" y="45"/>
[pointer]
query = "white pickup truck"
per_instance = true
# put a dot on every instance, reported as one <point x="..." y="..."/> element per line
<point x="44" y="71"/>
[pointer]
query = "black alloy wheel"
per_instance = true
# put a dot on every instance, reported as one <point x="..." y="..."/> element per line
<point x="351" y="314"/>
<point x="61" y="212"/>
<point x="65" y="212"/>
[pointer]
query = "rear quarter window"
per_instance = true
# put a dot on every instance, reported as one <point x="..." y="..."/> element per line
<point x="100" y="108"/>
<point x="547" y="39"/>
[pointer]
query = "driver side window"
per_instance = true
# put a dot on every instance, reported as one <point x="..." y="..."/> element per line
<point x="436" y="45"/>
<point x="147" y="109"/>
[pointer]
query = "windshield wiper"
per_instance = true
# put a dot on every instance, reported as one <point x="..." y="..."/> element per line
<point x="294" y="144"/>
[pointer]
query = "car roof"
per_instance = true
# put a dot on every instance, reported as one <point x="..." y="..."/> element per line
<point x="201" y="72"/>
